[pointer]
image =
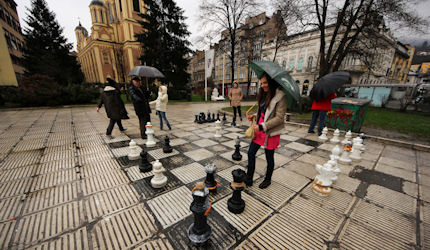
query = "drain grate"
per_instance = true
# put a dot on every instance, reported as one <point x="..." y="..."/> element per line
<point x="378" y="178"/>
<point x="144" y="187"/>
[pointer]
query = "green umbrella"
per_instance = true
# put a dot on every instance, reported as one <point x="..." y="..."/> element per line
<point x="280" y="75"/>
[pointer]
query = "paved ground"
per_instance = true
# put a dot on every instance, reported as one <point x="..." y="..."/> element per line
<point x="65" y="185"/>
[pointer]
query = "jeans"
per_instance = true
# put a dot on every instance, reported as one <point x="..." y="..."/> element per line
<point x="253" y="148"/>
<point x="239" y="111"/>
<point x="322" y="114"/>
<point x="111" y="124"/>
<point x="162" y="115"/>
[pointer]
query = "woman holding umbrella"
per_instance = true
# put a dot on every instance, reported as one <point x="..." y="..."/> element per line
<point x="272" y="106"/>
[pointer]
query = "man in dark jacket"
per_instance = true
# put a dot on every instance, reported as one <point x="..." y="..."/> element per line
<point x="141" y="105"/>
<point x="114" y="106"/>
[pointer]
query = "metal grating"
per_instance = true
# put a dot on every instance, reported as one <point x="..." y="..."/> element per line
<point x="101" y="182"/>
<point x="125" y="229"/>
<point x="110" y="201"/>
<point x="190" y="172"/>
<point x="77" y="240"/>
<point x="171" y="207"/>
<point x="392" y="199"/>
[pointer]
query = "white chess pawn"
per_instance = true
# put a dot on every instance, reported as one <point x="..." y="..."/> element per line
<point x="323" y="137"/>
<point x="356" y="149"/>
<point x="347" y="139"/>
<point x="150" y="134"/>
<point x="159" y="180"/>
<point x="218" y="129"/>
<point x="344" y="158"/>
<point x="335" y="152"/>
<point x="135" y="150"/>
<point x="335" y="138"/>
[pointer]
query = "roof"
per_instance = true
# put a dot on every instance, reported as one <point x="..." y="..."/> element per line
<point x="97" y="2"/>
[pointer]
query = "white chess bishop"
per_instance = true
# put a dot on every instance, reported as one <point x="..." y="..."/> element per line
<point x="218" y="129"/>
<point x="335" y="138"/>
<point x="323" y="137"/>
<point x="150" y="134"/>
<point x="159" y="180"/>
<point x="356" y="149"/>
<point x="344" y="158"/>
<point x="134" y="151"/>
<point x="348" y="137"/>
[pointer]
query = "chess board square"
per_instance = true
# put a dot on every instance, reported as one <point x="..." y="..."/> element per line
<point x="234" y="135"/>
<point x="274" y="195"/>
<point x="227" y="175"/>
<point x="186" y="147"/>
<point x="181" y="134"/>
<point x="134" y="173"/>
<point x="190" y="172"/>
<point x="287" y="152"/>
<point x="205" y="143"/>
<point x="119" y="144"/>
<point x="233" y="129"/>
<point x="118" y="152"/>
<point x="176" y="161"/>
<point x="321" y="153"/>
<point x="299" y="147"/>
<point x="207" y="135"/>
<point x="232" y="143"/>
<point x="119" y="138"/>
<point x="199" y="154"/>
<point x="193" y="137"/>
<point x="221" y="139"/>
<point x="224" y="236"/>
<point x="125" y="162"/>
<point x="219" y="162"/>
<point x="280" y="160"/>
<point x="178" y="141"/>
<point x="218" y="148"/>
<point x="290" y="179"/>
<point x="289" y="138"/>
<point x="144" y="188"/>
<point x="326" y="146"/>
<point x="308" y="142"/>
<point x="228" y="155"/>
<point x="159" y="154"/>
<point x="222" y="190"/>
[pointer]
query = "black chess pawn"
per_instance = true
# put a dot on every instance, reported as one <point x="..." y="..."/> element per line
<point x="223" y="118"/>
<point x="208" y="119"/>
<point x="166" y="147"/>
<point x="236" y="155"/>
<point x="144" y="165"/>
<point x="196" y="118"/>
<point x="236" y="204"/>
<point x="199" y="232"/>
<point x="217" y="117"/>
<point x="210" y="181"/>
<point x="213" y="117"/>
<point x="202" y="118"/>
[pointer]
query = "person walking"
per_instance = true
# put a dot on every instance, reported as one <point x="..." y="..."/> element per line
<point x="140" y="97"/>
<point x="161" y="106"/>
<point x="272" y="106"/>
<point x="320" y="108"/>
<point x="114" y="106"/>
<point x="236" y="96"/>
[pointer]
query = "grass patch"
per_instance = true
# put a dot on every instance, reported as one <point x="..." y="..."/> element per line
<point x="243" y="108"/>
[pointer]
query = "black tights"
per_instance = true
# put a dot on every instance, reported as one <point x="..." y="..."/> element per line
<point x="253" y="148"/>
<point x="238" y="110"/>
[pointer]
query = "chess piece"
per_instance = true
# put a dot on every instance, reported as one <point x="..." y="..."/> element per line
<point x="347" y="139"/>
<point x="166" y="147"/>
<point x="334" y="166"/>
<point x="196" y="119"/>
<point x="210" y="181"/>
<point x="159" y="180"/>
<point x="224" y="118"/>
<point x="236" y="155"/>
<point x="150" y="134"/>
<point x="199" y="232"/>
<point x="335" y="152"/>
<point x="335" y="138"/>
<point x="134" y="151"/>
<point x="323" y="181"/>
<point x="218" y="129"/>
<point x="217" y="117"/>
<point x="208" y="119"/>
<point x="213" y="117"/>
<point x="323" y="137"/>
<point x="236" y="204"/>
<point x="356" y="149"/>
<point x="201" y="118"/>
<point x="344" y="158"/>
<point x="145" y="165"/>
<point x="363" y="137"/>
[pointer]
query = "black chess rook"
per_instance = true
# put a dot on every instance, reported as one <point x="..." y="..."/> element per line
<point x="236" y="204"/>
<point x="144" y="165"/>
<point x="167" y="148"/>
<point x="199" y="232"/>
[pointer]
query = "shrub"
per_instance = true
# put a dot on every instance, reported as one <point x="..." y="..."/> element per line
<point x="39" y="90"/>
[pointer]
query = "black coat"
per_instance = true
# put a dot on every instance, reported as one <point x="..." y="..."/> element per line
<point x="140" y="99"/>
<point x="114" y="105"/>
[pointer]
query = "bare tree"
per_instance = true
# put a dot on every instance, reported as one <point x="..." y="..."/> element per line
<point x="120" y="66"/>
<point x="352" y="22"/>
<point x="227" y="15"/>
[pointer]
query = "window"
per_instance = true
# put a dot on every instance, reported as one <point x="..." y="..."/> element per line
<point x="310" y="59"/>
<point x="95" y="16"/>
<point x="253" y="75"/>
<point x="242" y="74"/>
<point x="1" y="13"/>
<point x="101" y="16"/>
<point x="300" y="64"/>
<point x="106" y="57"/>
<point x="291" y="67"/>
<point x="136" y="6"/>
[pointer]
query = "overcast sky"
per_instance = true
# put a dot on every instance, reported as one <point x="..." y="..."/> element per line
<point x="69" y="12"/>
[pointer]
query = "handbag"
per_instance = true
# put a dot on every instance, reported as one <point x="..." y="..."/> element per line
<point x="250" y="133"/>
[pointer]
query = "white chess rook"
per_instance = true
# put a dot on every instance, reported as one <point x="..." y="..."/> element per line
<point x="150" y="134"/>
<point x="159" y="180"/>
<point x="335" y="138"/>
<point x="135" y="150"/>
<point x="323" y="137"/>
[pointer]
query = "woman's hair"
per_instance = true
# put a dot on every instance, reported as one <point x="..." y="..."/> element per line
<point x="234" y="84"/>
<point x="271" y="93"/>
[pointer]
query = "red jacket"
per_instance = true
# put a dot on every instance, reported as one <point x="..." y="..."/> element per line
<point x="323" y="104"/>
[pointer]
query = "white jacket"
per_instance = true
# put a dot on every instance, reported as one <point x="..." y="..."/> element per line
<point x="162" y="99"/>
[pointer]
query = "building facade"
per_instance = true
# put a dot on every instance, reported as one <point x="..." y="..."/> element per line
<point x="111" y="50"/>
<point x="11" y="69"/>
<point x="401" y="63"/>
<point x="196" y="69"/>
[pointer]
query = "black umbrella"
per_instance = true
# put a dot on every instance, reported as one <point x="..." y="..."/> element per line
<point x="146" y="71"/>
<point x="328" y="84"/>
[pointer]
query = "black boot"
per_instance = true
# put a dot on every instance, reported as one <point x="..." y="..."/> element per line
<point x="265" y="183"/>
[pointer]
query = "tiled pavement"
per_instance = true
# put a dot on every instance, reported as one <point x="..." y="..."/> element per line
<point x="65" y="185"/>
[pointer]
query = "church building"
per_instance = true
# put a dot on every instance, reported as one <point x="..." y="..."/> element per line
<point x="111" y="50"/>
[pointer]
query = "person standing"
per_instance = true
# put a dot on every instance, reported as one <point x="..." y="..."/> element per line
<point x="140" y="97"/>
<point x="114" y="106"/>
<point x="272" y="106"/>
<point x="161" y="106"/>
<point x="236" y="96"/>
<point x="320" y="108"/>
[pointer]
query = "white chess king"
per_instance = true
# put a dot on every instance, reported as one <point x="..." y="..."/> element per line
<point x="150" y="133"/>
